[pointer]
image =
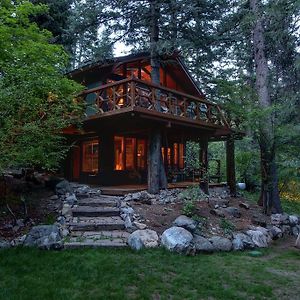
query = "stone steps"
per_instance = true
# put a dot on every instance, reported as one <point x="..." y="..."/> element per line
<point x="87" y="211"/>
<point x="96" y="223"/>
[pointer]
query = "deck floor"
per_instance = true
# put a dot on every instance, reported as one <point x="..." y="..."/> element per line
<point x="120" y="190"/>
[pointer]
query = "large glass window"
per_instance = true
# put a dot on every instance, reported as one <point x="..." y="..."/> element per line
<point x="119" y="153"/>
<point x="130" y="153"/>
<point x="90" y="156"/>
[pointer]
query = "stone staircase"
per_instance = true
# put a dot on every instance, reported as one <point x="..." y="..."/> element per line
<point x="96" y="222"/>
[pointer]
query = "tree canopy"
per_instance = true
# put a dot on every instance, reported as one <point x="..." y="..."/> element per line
<point x="36" y="99"/>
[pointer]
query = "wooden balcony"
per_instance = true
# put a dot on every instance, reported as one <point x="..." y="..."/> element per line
<point x="134" y="95"/>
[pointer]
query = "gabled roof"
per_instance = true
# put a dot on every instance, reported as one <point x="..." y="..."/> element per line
<point x="85" y="72"/>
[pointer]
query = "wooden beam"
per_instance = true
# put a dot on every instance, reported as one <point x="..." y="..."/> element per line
<point x="230" y="166"/>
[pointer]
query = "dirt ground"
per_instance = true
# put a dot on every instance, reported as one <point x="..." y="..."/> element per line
<point x="159" y="217"/>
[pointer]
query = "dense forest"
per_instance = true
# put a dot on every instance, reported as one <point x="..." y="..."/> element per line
<point x="244" y="55"/>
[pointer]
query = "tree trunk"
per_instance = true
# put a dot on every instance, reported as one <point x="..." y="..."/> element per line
<point x="203" y="161"/>
<point x="269" y="193"/>
<point x="230" y="166"/>
<point x="156" y="172"/>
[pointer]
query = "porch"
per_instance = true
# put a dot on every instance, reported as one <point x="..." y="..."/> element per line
<point x="121" y="190"/>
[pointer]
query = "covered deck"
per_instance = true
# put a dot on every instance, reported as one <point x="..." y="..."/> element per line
<point x="121" y="190"/>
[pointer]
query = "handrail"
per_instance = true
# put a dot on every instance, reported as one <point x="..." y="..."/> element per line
<point x="133" y="92"/>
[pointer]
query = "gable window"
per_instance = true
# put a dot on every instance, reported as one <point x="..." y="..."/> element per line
<point x="90" y="156"/>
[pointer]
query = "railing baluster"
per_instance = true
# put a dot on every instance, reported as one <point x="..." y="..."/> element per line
<point x="132" y="93"/>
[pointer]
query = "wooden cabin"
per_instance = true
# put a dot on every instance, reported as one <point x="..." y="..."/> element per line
<point x="123" y="107"/>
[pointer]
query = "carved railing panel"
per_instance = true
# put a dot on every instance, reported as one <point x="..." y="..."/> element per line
<point x="137" y="93"/>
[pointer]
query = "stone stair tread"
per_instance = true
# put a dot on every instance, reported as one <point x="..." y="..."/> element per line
<point x="98" y="244"/>
<point x="99" y="219"/>
<point x="92" y="202"/>
<point x="100" y="226"/>
<point x="103" y="233"/>
<point x="89" y="211"/>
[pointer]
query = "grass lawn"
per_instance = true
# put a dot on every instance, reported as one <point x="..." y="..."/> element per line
<point x="153" y="274"/>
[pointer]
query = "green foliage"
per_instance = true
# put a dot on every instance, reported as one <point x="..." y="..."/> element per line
<point x="227" y="226"/>
<point x="36" y="100"/>
<point x="189" y="208"/>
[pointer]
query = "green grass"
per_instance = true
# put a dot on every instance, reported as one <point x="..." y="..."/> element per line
<point x="154" y="274"/>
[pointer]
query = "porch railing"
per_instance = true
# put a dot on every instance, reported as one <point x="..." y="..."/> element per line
<point x="132" y="93"/>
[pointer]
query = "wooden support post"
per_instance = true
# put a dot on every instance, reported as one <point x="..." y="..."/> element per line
<point x="203" y="161"/>
<point x="230" y="165"/>
<point x="156" y="172"/>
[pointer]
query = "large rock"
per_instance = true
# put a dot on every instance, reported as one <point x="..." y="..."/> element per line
<point x="143" y="239"/>
<point x="185" y="222"/>
<point x="4" y="244"/>
<point x="221" y="243"/>
<point x="260" y="236"/>
<point x="71" y="199"/>
<point x="296" y="230"/>
<point x="294" y="220"/>
<point x="232" y="211"/>
<point x="279" y="219"/>
<point x="176" y="239"/>
<point x="297" y="244"/>
<point x="242" y="241"/>
<point x="275" y="232"/>
<point x="44" y="237"/>
<point x="202" y="244"/>
<point x="63" y="188"/>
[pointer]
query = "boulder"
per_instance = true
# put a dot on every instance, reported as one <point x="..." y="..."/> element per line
<point x="260" y="236"/>
<point x="242" y="241"/>
<point x="259" y="220"/>
<point x="44" y="237"/>
<point x="176" y="239"/>
<point x="71" y="199"/>
<point x="185" y="222"/>
<point x="202" y="244"/>
<point x="244" y="205"/>
<point x="221" y="243"/>
<point x="275" y="232"/>
<point x="4" y="244"/>
<point x="143" y="239"/>
<point x="296" y="230"/>
<point x="297" y="244"/>
<point x="63" y="188"/>
<point x="216" y="203"/>
<point x="294" y="220"/>
<point x="127" y="222"/>
<point x="279" y="219"/>
<point x="218" y="212"/>
<point x="139" y="225"/>
<point x="18" y="241"/>
<point x="232" y="211"/>
<point x="127" y="211"/>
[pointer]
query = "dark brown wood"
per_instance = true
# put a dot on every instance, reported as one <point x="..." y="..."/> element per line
<point x="203" y="161"/>
<point x="154" y="161"/>
<point x="230" y="166"/>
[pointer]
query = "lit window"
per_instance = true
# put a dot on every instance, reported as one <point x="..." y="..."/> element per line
<point x="90" y="155"/>
<point x="119" y="153"/>
<point x="130" y="153"/>
<point x="175" y="157"/>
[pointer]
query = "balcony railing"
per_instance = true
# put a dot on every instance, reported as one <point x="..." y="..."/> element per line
<point x="136" y="94"/>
